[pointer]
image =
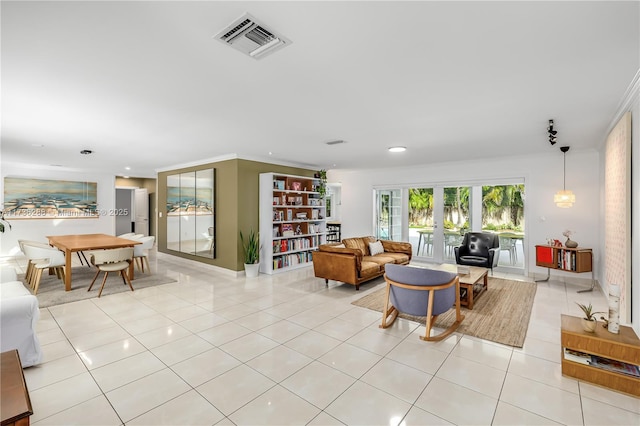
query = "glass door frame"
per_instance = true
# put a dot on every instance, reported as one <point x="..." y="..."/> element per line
<point x="475" y="211"/>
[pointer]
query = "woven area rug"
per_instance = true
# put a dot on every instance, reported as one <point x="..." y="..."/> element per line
<point x="51" y="291"/>
<point x="501" y="314"/>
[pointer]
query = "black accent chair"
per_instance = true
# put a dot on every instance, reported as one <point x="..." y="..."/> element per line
<point x="479" y="249"/>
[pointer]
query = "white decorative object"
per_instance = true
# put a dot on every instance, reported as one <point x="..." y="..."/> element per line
<point x="614" y="309"/>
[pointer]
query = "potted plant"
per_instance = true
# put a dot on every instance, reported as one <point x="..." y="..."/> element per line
<point x="322" y="188"/>
<point x="251" y="251"/>
<point x="589" y="321"/>
<point x="4" y="224"/>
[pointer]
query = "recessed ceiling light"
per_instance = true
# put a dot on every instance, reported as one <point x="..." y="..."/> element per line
<point x="397" y="149"/>
<point x="127" y="168"/>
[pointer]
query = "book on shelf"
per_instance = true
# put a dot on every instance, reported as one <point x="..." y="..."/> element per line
<point x="615" y="366"/>
<point x="289" y="214"/>
<point x="576" y="356"/>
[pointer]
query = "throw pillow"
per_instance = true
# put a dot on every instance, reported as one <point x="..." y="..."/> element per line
<point x="376" y="248"/>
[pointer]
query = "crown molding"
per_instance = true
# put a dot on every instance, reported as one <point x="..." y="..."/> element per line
<point x="227" y="157"/>
<point x="626" y="104"/>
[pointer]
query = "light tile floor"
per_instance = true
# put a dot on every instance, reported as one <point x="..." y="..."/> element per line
<point x="284" y="349"/>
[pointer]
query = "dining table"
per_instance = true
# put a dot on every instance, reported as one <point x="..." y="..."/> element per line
<point x="82" y="242"/>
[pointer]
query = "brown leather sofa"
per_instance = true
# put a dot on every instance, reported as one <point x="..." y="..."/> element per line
<point x="351" y="261"/>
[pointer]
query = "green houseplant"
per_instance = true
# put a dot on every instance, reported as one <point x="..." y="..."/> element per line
<point x="589" y="320"/>
<point x="322" y="188"/>
<point x="251" y="251"/>
<point x="4" y="224"/>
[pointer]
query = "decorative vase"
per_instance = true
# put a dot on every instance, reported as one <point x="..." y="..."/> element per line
<point x="251" y="270"/>
<point x="589" y="326"/>
<point x="570" y="243"/>
<point x="614" y="309"/>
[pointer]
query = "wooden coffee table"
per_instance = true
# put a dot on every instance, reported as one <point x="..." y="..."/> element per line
<point x="472" y="285"/>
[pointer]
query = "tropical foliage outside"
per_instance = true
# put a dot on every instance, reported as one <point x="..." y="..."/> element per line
<point x="502" y="207"/>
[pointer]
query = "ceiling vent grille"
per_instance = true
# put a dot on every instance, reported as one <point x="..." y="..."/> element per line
<point x="251" y="37"/>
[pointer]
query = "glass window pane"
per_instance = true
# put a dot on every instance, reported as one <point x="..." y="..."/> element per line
<point x="457" y="220"/>
<point x="421" y="221"/>
<point x="503" y="213"/>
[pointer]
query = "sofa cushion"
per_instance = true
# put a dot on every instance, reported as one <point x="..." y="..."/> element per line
<point x="376" y="248"/>
<point x="19" y="315"/>
<point x="380" y="259"/>
<point x="369" y="269"/>
<point x="357" y="243"/>
<point x="398" y="258"/>
<point x="11" y="289"/>
<point x="8" y="274"/>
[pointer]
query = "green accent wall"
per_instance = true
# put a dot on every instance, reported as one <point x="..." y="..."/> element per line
<point x="237" y="206"/>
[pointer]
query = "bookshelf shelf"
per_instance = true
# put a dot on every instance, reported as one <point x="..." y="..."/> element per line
<point x="603" y="358"/>
<point x="292" y="221"/>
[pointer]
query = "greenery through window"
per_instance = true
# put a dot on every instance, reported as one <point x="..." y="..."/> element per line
<point x="503" y="208"/>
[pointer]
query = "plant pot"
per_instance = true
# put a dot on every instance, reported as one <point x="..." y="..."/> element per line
<point x="589" y="326"/>
<point x="251" y="270"/>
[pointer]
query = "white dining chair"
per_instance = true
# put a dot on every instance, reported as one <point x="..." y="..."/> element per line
<point x="111" y="260"/>
<point x="30" y="262"/>
<point x="140" y="252"/>
<point x="44" y="257"/>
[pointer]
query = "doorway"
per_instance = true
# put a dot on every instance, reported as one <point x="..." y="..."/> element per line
<point x="132" y="211"/>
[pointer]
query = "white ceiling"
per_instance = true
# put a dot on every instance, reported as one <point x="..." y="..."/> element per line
<point x="145" y="85"/>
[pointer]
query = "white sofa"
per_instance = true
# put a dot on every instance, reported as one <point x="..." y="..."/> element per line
<point x="19" y="313"/>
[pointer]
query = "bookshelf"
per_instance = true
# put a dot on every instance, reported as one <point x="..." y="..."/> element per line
<point x="334" y="233"/>
<point x="603" y="358"/>
<point x="577" y="260"/>
<point x="292" y="221"/>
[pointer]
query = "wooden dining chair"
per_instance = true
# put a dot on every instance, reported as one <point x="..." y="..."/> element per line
<point x="112" y="260"/>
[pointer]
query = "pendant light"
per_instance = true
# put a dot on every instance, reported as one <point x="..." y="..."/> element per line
<point x="564" y="198"/>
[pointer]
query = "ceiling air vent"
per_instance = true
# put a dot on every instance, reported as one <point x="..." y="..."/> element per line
<point x="251" y="37"/>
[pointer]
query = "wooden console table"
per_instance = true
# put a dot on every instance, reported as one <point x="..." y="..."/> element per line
<point x="575" y="260"/>
<point x="603" y="358"/>
<point x="14" y="396"/>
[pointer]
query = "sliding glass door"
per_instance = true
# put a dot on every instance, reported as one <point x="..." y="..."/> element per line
<point x="435" y="218"/>
<point x="388" y="215"/>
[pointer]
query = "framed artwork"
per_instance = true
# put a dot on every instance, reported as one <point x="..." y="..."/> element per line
<point x="296" y="186"/>
<point x="26" y="198"/>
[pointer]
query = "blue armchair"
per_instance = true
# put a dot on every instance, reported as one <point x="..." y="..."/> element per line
<point x="421" y="292"/>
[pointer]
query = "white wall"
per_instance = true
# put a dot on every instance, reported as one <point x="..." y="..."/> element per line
<point x="38" y="229"/>
<point x="542" y="175"/>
